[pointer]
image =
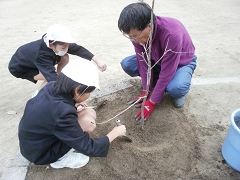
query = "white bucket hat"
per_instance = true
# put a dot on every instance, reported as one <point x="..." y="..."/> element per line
<point x="82" y="71"/>
<point x="58" y="32"/>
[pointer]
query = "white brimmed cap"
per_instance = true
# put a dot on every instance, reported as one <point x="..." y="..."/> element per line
<point x="82" y="71"/>
<point x="58" y="32"/>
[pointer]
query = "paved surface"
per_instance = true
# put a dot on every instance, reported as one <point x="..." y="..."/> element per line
<point x="17" y="168"/>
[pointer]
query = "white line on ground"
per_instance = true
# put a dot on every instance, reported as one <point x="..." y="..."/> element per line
<point x="210" y="81"/>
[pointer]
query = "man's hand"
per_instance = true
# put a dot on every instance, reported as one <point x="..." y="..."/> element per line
<point x="139" y="97"/>
<point x="148" y="109"/>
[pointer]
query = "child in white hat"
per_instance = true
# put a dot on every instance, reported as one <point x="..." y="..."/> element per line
<point x="36" y="60"/>
<point x="51" y="128"/>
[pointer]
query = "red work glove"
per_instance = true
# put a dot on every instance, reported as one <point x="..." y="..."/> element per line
<point x="139" y="97"/>
<point x="148" y="109"/>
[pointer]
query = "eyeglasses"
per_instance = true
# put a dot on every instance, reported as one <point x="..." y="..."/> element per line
<point x="132" y="37"/>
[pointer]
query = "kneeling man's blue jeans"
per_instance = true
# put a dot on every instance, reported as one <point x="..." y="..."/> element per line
<point x="178" y="87"/>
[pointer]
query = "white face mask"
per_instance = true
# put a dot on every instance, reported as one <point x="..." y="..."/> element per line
<point x="61" y="53"/>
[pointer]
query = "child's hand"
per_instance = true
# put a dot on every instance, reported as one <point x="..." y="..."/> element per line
<point x="119" y="130"/>
<point x="116" y="132"/>
<point x="80" y="106"/>
<point x="102" y="66"/>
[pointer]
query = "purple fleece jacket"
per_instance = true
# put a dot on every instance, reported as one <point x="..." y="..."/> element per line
<point x="169" y="34"/>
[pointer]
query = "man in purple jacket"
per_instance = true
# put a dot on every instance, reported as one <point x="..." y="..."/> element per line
<point x="173" y="59"/>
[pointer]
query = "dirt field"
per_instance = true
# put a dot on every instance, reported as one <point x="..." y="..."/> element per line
<point x="172" y="145"/>
<point x="180" y="143"/>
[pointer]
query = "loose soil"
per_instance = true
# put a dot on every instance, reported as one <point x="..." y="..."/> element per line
<point x="170" y="146"/>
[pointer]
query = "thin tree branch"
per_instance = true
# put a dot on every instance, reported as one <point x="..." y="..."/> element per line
<point x="148" y="54"/>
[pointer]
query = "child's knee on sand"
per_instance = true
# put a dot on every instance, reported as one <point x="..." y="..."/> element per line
<point x="86" y="119"/>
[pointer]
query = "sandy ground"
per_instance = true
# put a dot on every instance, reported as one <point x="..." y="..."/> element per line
<point x="176" y="143"/>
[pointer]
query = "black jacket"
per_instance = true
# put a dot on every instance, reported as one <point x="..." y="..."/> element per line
<point x="35" y="56"/>
<point x="49" y="128"/>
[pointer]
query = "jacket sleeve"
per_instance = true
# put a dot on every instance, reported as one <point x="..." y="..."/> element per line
<point x="45" y="65"/>
<point x="69" y="131"/>
<point x="80" y="51"/>
<point x="169" y="65"/>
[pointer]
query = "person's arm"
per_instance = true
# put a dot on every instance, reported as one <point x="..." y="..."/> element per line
<point x="69" y="131"/>
<point x="80" y="51"/>
<point x="116" y="132"/>
<point x="169" y="65"/>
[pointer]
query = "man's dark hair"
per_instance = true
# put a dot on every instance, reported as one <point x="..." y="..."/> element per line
<point x="135" y="16"/>
<point x="65" y="85"/>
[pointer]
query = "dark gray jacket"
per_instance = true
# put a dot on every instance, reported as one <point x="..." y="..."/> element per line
<point x="49" y="128"/>
<point x="35" y="56"/>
